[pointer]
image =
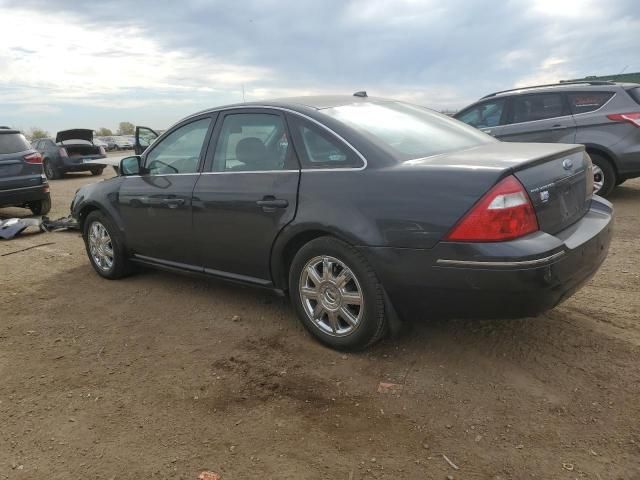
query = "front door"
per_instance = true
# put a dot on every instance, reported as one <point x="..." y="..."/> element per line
<point x="487" y="116"/>
<point x="156" y="205"/>
<point x="144" y="137"/>
<point x="540" y="117"/>
<point x="246" y="195"/>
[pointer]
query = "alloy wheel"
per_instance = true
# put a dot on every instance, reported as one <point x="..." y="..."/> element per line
<point x="331" y="296"/>
<point x="598" y="178"/>
<point x="100" y="246"/>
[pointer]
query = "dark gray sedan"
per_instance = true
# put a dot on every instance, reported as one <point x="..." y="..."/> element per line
<point x="363" y="210"/>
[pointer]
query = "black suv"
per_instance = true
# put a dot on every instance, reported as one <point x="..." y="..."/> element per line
<point x="603" y="116"/>
<point x="22" y="181"/>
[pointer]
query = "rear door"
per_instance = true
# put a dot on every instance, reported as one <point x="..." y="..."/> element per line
<point x="539" y="117"/>
<point x="16" y="171"/>
<point x="246" y="195"/>
<point x="155" y="206"/>
<point x="488" y="116"/>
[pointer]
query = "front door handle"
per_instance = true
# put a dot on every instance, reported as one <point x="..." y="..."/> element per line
<point x="173" y="202"/>
<point x="559" y="127"/>
<point x="269" y="203"/>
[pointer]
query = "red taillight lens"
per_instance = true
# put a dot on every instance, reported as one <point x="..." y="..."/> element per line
<point x="63" y="152"/>
<point x="34" y="158"/>
<point x="102" y="151"/>
<point x="505" y="212"/>
<point x="633" y="118"/>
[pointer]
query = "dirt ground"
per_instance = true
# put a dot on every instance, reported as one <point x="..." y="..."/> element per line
<point x="162" y="376"/>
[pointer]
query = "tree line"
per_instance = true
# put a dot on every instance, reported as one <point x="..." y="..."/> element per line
<point x="124" y="128"/>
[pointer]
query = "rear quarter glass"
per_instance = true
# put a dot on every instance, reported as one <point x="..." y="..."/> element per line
<point x="13" y="143"/>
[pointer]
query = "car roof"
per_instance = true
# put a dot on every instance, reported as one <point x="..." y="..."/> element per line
<point x="303" y="103"/>
<point x="8" y="130"/>
<point x="601" y="85"/>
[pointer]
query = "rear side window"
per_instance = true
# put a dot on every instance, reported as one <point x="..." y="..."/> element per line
<point x="13" y="143"/>
<point x="635" y="94"/>
<point x="583" y="102"/>
<point x="529" y="108"/>
<point x="320" y="149"/>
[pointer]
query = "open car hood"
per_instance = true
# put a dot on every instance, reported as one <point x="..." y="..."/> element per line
<point x="75" y="134"/>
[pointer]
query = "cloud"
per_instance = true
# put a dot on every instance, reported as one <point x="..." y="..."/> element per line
<point x="148" y="56"/>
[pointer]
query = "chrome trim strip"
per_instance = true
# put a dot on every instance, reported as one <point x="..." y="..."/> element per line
<point x="250" y="171"/>
<point x="524" y="263"/>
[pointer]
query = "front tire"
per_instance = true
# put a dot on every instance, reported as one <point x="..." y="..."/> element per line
<point x="105" y="246"/>
<point x="604" y="175"/>
<point x="41" y="207"/>
<point x="337" y="295"/>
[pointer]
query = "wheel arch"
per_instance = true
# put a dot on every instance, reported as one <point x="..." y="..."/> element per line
<point x="287" y="245"/>
<point x="603" y="152"/>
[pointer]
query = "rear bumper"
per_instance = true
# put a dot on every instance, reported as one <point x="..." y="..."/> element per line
<point x="78" y="164"/>
<point x="21" y="196"/>
<point x="523" y="277"/>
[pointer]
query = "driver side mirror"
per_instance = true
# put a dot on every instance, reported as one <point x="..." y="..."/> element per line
<point x="130" y="166"/>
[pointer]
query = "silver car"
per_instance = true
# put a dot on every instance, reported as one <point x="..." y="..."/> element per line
<point x="604" y="116"/>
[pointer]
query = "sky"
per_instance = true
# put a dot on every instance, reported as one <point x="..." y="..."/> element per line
<point x="92" y="64"/>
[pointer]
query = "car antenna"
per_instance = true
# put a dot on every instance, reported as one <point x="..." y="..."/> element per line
<point x="243" y="100"/>
<point x="361" y="93"/>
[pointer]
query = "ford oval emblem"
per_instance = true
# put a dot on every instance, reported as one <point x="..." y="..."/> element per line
<point x="567" y="163"/>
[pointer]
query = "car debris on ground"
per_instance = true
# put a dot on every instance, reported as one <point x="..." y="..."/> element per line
<point x="15" y="226"/>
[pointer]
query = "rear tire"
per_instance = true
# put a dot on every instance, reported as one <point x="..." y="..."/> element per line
<point x="603" y="174"/>
<point x="51" y="172"/>
<point x="342" y="304"/>
<point x="41" y="207"/>
<point x="105" y="246"/>
<point x="97" y="171"/>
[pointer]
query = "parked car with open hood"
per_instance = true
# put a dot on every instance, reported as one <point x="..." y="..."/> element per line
<point x="71" y="151"/>
<point x="603" y="116"/>
<point x="22" y="182"/>
<point x="358" y="208"/>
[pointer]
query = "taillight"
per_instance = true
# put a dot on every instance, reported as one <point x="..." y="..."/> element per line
<point x="102" y="151"/>
<point x="505" y="212"/>
<point x="63" y="152"/>
<point x="633" y="118"/>
<point x="34" y="158"/>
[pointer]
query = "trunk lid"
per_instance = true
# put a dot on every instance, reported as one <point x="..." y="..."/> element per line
<point x="75" y="134"/>
<point x="560" y="189"/>
<point x="556" y="176"/>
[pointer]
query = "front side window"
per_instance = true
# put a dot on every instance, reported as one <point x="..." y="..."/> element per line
<point x="583" y="102"/>
<point x="485" y="115"/>
<point x="529" y="108"/>
<point x="408" y="131"/>
<point x="180" y="151"/>
<point x="250" y="142"/>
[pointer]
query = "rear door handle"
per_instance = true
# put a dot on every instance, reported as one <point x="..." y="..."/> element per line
<point x="173" y="202"/>
<point x="269" y="203"/>
<point x="559" y="127"/>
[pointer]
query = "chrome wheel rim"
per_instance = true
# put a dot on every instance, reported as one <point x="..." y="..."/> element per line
<point x="598" y="178"/>
<point x="100" y="246"/>
<point x="331" y="296"/>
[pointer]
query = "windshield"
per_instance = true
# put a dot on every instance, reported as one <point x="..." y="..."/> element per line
<point x="408" y="130"/>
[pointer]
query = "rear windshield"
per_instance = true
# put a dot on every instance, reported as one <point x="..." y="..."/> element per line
<point x="408" y="131"/>
<point x="13" y="143"/>
<point x="635" y="94"/>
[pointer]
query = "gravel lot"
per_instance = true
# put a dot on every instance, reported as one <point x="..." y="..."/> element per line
<point x="162" y="376"/>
